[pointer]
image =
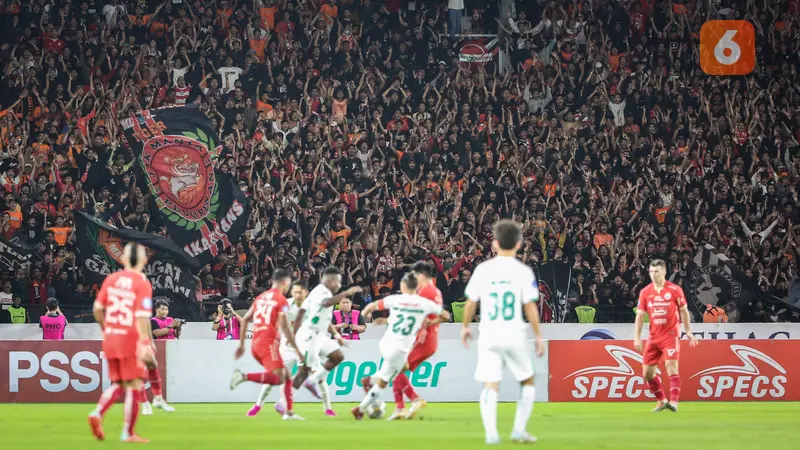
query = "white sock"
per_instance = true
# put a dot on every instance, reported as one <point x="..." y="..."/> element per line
<point x="319" y="374"/>
<point x="158" y="398"/>
<point x="372" y="396"/>
<point x="262" y="397"/>
<point x="489" y="412"/>
<point x="324" y="391"/>
<point x="524" y="408"/>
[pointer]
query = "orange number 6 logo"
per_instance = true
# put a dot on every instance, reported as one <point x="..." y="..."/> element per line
<point x="727" y="47"/>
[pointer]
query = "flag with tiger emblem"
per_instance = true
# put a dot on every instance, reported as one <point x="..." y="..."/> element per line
<point x="177" y="148"/>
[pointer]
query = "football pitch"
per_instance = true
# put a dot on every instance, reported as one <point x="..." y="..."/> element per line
<point x="443" y="426"/>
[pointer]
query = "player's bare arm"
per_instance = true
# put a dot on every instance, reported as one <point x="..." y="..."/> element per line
<point x="687" y="326"/>
<point x="637" y="330"/>
<point x="338" y="297"/>
<point x="469" y="314"/>
<point x="532" y="314"/>
<point x="243" y="335"/>
<point x="336" y="335"/>
<point x="298" y="321"/>
<point x="99" y="312"/>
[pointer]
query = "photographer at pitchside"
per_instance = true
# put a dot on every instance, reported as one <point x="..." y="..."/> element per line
<point x="226" y="322"/>
<point x="165" y="327"/>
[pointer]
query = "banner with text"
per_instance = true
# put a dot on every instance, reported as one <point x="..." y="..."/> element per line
<point x="169" y="269"/>
<point x="58" y="371"/>
<point x="205" y="212"/>
<point x="727" y="370"/>
<point x="446" y="377"/>
<point x="13" y="257"/>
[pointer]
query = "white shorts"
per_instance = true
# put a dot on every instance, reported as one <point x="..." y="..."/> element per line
<point x="316" y="347"/>
<point x="493" y="357"/>
<point x="394" y="361"/>
<point x="288" y="355"/>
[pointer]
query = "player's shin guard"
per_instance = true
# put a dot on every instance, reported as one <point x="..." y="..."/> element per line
<point x="674" y="388"/>
<point x="262" y="396"/>
<point x="489" y="412"/>
<point x="319" y="374"/>
<point x="405" y="386"/>
<point x="524" y="408"/>
<point x="108" y="398"/>
<point x="655" y="388"/>
<point x="325" y="392"/>
<point x="397" y="390"/>
<point x="372" y="397"/>
<point x="264" y="378"/>
<point x="131" y="412"/>
<point x="287" y="394"/>
<point x="155" y="381"/>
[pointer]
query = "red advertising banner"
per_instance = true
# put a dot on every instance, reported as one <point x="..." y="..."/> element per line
<point x="733" y="370"/>
<point x="58" y="371"/>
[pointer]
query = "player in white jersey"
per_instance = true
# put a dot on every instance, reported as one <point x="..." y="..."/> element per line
<point x="289" y="356"/>
<point x="313" y="325"/>
<point x="505" y="287"/>
<point x="407" y="314"/>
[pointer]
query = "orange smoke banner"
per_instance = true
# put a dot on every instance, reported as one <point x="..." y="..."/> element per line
<point x="730" y="370"/>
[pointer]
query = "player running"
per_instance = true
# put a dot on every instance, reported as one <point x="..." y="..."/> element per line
<point x="425" y="346"/>
<point x="506" y="288"/>
<point x="665" y="304"/>
<point x="407" y="314"/>
<point x="289" y="356"/>
<point x="268" y="314"/>
<point x="313" y="324"/>
<point x="123" y="308"/>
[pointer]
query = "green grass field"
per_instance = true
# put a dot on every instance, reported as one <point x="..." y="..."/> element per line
<point x="621" y="426"/>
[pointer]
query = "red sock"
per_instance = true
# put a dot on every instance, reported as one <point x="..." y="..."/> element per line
<point x="142" y="395"/>
<point x="132" y="399"/>
<point x="108" y="398"/>
<point x="674" y="388"/>
<point x="410" y="392"/>
<point x="287" y="392"/>
<point x="398" y="385"/>
<point x="155" y="381"/>
<point x="655" y="388"/>
<point x="264" y="378"/>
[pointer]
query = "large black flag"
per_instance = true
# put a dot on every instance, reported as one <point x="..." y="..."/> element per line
<point x="177" y="147"/>
<point x="169" y="268"/>
<point x="711" y="278"/>
<point x="13" y="257"/>
<point x="554" y="279"/>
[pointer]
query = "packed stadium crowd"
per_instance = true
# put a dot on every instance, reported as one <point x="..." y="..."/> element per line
<point x="363" y="141"/>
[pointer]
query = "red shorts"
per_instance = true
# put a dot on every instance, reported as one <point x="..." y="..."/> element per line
<point x="268" y="354"/>
<point x="669" y="348"/>
<point x="125" y="369"/>
<point x="419" y="354"/>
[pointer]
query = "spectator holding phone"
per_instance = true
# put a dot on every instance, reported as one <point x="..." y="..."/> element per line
<point x="227" y="322"/>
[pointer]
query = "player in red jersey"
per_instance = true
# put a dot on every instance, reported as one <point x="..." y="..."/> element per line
<point x="425" y="346"/>
<point x="665" y="304"/>
<point x="268" y="314"/>
<point x="123" y="309"/>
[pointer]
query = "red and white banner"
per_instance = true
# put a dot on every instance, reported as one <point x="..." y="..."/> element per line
<point x="58" y="371"/>
<point x="731" y="370"/>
